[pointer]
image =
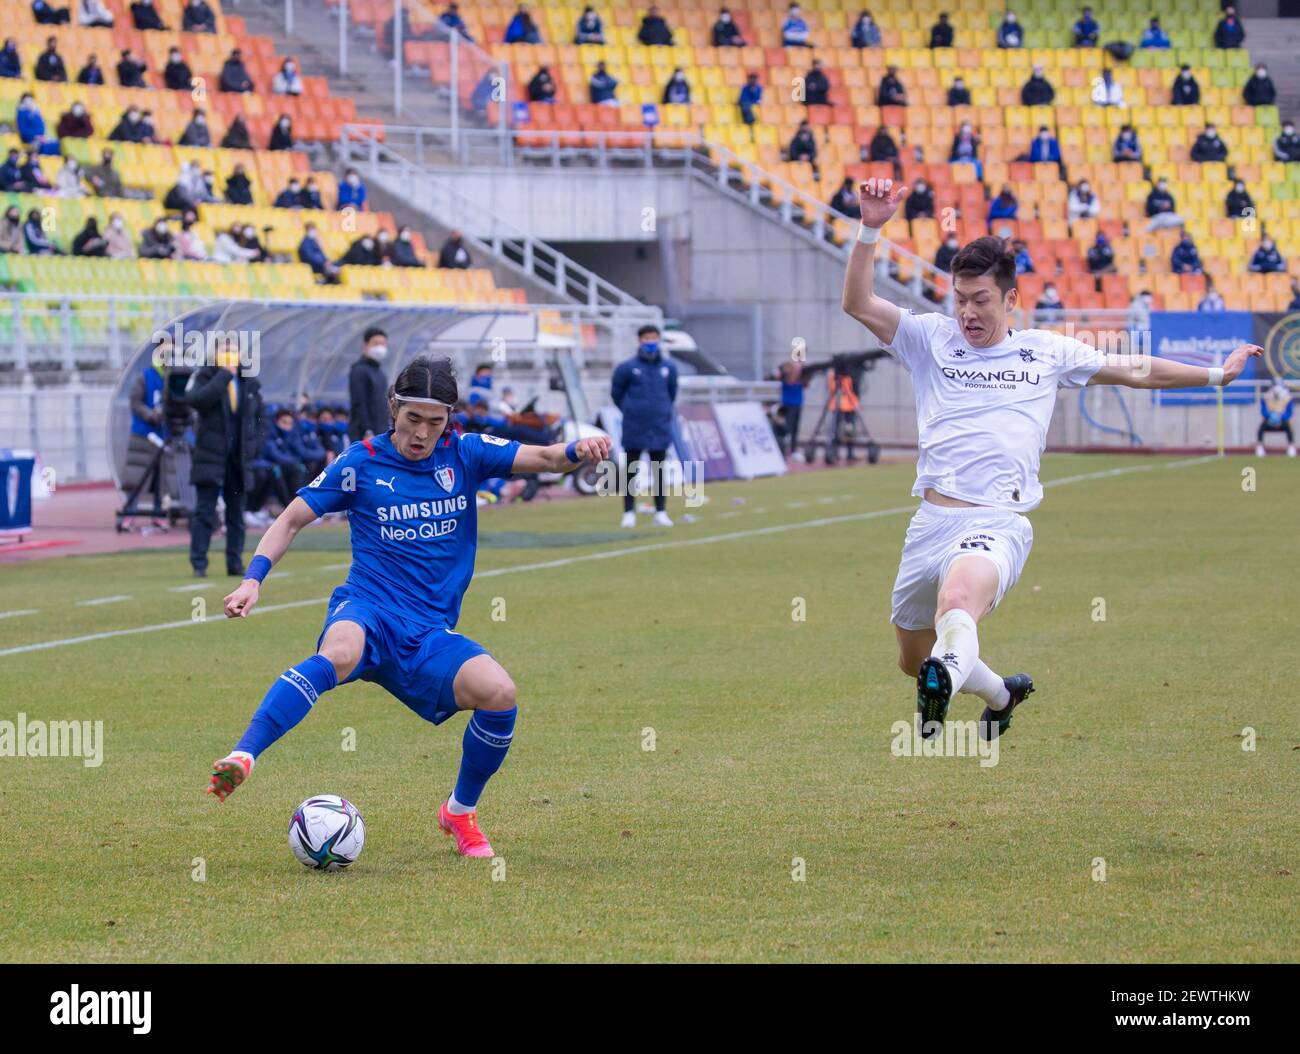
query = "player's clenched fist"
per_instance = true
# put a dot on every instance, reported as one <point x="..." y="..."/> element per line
<point x="878" y="199"/>
<point x="595" y="449"/>
<point x="241" y="601"/>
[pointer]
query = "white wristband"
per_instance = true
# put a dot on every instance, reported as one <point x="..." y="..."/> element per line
<point x="868" y="235"/>
<point x="1216" y="376"/>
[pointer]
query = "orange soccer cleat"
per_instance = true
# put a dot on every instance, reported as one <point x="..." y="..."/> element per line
<point x="228" y="773"/>
<point x="470" y="840"/>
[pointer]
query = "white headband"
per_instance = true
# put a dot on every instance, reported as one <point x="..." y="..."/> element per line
<point x="422" y="401"/>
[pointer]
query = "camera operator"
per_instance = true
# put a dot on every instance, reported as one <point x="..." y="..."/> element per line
<point x="227" y="437"/>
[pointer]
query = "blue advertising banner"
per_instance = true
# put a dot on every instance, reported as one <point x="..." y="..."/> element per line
<point x="15" y="493"/>
<point x="1203" y="338"/>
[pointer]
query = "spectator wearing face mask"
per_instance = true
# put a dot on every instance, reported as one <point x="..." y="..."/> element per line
<point x="1049" y="310"/>
<point x="198" y="17"/>
<point x="726" y="34"/>
<point x="228" y="249"/>
<point x="521" y="28"/>
<point x="941" y="34"/>
<point x="1267" y="260"/>
<point x="1010" y="32"/>
<point x="1211" y="301"/>
<point x="117" y="239"/>
<point x="794" y="30"/>
<point x="234" y="75"/>
<point x="677" y="92"/>
<point x="93" y="14"/>
<point x="67" y="184"/>
<point x="1238" y="201"/>
<point x="32" y="174"/>
<point x="157" y="242"/>
<point x="30" y="122"/>
<point x="1086" y="30"/>
<point x="189" y="245"/>
<point x="1154" y="36"/>
<point x="89" y="241"/>
<point x="103" y="177"/>
<point x="313" y="255"/>
<point x="845" y="200"/>
<point x="403" y="252"/>
<point x="384" y="247"/>
<point x="11" y="63"/>
<point x="282" y="134"/>
<point x="865" y="32"/>
<point x="131" y="71"/>
<point x="958" y="93"/>
<point x="1108" y="91"/>
<point x="603" y="87"/>
<point x="1082" y="204"/>
<point x="1209" y="146"/>
<point x="803" y="147"/>
<point x="1024" y="262"/>
<point x="1275" y="409"/>
<point x="352" y="192"/>
<point x="949" y="249"/>
<point x="287" y="81"/>
<point x="919" y="204"/>
<point x="1185" y="259"/>
<point x="1229" y="33"/>
<point x="454" y="255"/>
<point x="290" y="197"/>
<point x="49" y="64"/>
<point x="891" y="91"/>
<point x="1044" y="148"/>
<point x="177" y="74"/>
<point x="368" y="388"/>
<point x="197" y="132"/>
<point x="1186" y="90"/>
<point x="39" y="243"/>
<point x="11" y="175"/>
<point x="145" y="16"/>
<point x="1259" y="89"/>
<point x="1286" y="147"/>
<point x="1037" y="90"/>
<point x="644" y="388"/>
<point x="361" y="253"/>
<point x="91" y="72"/>
<point x="542" y="87"/>
<point x="1127" y="147"/>
<point x="11" y="230"/>
<point x="239" y="190"/>
<point x="589" y="29"/>
<point x="1160" y="208"/>
<point x="654" y="31"/>
<point x="816" y="86"/>
<point x="1101" y="257"/>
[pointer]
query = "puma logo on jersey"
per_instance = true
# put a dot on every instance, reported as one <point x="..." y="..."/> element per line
<point x="385" y="483"/>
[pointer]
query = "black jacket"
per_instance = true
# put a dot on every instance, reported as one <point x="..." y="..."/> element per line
<point x="206" y="394"/>
<point x="1037" y="91"/>
<point x="368" y="393"/>
<point x="1185" y="92"/>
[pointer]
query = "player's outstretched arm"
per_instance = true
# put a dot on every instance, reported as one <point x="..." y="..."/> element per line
<point x="1148" y="371"/>
<point x="560" y="458"/>
<point x="879" y="200"/>
<point x="274" y="544"/>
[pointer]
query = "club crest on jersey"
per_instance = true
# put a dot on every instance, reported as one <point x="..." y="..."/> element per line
<point x="446" y="478"/>
<point x="1026" y="355"/>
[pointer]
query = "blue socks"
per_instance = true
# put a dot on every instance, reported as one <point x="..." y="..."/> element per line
<point x="487" y="738"/>
<point x="288" y="701"/>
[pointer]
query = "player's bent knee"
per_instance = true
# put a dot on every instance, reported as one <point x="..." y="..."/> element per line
<point x="500" y="695"/>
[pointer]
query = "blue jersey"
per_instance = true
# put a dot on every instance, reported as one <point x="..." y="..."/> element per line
<point x="414" y="524"/>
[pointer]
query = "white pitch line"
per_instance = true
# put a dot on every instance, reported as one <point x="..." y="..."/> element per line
<point x="15" y="614"/>
<point x="567" y="561"/>
<point x="190" y="589"/>
<point x="95" y="601"/>
<point x="336" y="567"/>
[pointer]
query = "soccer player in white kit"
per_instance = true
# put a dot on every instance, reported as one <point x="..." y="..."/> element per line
<point x="984" y="400"/>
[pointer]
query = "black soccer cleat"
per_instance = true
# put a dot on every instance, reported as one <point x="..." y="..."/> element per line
<point x="994" y="722"/>
<point x="933" y="693"/>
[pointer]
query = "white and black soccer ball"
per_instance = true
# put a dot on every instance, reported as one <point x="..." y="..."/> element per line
<point x="326" y="833"/>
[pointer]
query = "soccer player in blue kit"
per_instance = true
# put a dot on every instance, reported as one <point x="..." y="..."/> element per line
<point x="410" y="499"/>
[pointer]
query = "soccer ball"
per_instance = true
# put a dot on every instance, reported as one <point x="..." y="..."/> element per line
<point x="326" y="833"/>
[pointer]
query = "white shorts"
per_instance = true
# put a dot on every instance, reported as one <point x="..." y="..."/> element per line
<point x="935" y="538"/>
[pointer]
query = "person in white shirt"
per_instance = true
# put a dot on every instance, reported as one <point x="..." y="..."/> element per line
<point x="1082" y="202"/>
<point x="287" y="81"/>
<point x="94" y="13"/>
<point x="984" y="400"/>
<point x="1107" y="91"/>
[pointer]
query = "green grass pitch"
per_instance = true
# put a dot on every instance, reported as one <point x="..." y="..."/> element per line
<point x="771" y="744"/>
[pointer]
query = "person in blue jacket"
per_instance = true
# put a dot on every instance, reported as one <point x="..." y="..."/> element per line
<point x="1275" y="411"/>
<point x="644" y="390"/>
<point x="281" y="450"/>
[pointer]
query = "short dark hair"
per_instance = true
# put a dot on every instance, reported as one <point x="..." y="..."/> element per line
<point x="426" y="378"/>
<point x="647" y="328"/>
<point x="373" y="331"/>
<point x="987" y="256"/>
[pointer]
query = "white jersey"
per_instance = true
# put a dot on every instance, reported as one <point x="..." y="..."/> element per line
<point x="982" y="413"/>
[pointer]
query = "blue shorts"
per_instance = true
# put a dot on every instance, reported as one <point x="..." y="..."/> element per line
<point x="416" y="664"/>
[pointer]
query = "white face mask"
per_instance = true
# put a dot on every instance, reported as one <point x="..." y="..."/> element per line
<point x="378" y="352"/>
<point x="116" y="225"/>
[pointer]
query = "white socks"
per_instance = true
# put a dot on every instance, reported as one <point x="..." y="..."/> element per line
<point x="988" y="686"/>
<point x="956" y="645"/>
<point x="456" y="808"/>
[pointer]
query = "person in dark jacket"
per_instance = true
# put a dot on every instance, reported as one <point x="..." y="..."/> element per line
<point x="89" y="242"/>
<point x="11" y="63"/>
<point x="542" y="87"/>
<point x="521" y="29"/>
<point x="958" y="93"/>
<point x="227" y="437"/>
<point x="403" y="253"/>
<point x="1267" y="260"/>
<point x="1259" y="90"/>
<point x="368" y="388"/>
<point x="1209" y="147"/>
<point x="131" y="71"/>
<point x="290" y="197"/>
<point x="50" y="16"/>
<point x="1286" y="147"/>
<point x="726" y="34"/>
<point x="1229" y="33"/>
<point x="891" y="91"/>
<point x="75" y="124"/>
<point x="92" y="72"/>
<point x="197" y="132"/>
<point x="454" y="255"/>
<point x="1185" y="259"/>
<point x="919" y="204"/>
<point x="177" y="74"/>
<point x="941" y="33"/>
<point x="1238" y="201"/>
<point x="283" y="450"/>
<point x="1101" y="257"/>
<point x="239" y="189"/>
<point x="361" y="253"/>
<point x="654" y="31"/>
<point x="1186" y="90"/>
<point x="1086" y="30"/>
<point x="198" y="17"/>
<point x="816" y="86"/>
<point x="603" y="85"/>
<point x="590" y="30"/>
<point x="882" y="146"/>
<point x="1127" y="147"/>
<point x="49" y="65"/>
<point x="234" y="76"/>
<point x="311" y="253"/>
<point x="1010" y="33"/>
<point x="282" y="134"/>
<point x="677" y="92"/>
<point x="145" y="16"/>
<point x="1038" y="90"/>
<point x="38" y="242"/>
<point x="845" y="200"/>
<point x="644" y="389"/>
<point x="803" y="147"/>
<point x="236" y="137"/>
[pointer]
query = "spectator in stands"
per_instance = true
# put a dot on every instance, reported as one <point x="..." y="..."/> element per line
<point x="361" y="253"/>
<point x="198" y="17"/>
<point x="1286" y="147"/>
<point x="50" y="16"/>
<point x="521" y="29"/>
<point x="283" y="450"/>
<point x="1211" y="301"/>
<point x="131" y="71"/>
<point x="1238" y="201"/>
<point x="287" y="81"/>
<point x="1107" y="91"/>
<point x="103" y="178"/>
<point x="882" y="146"/>
<point x="803" y="147"/>
<point x="1004" y="206"/>
<point x="49" y="65"/>
<point x="30" y="121"/>
<point x="1037" y="91"/>
<point x="91" y="72"/>
<point x="794" y="30"/>
<point x="542" y="87"/>
<point x="89" y="241"/>
<point x="11" y="226"/>
<point x="11" y="174"/>
<point x="129" y="129"/>
<point x="146" y="126"/>
<point x="93" y="14"/>
<point x="1229" y="33"/>
<point x="891" y="92"/>
<point x="958" y="93"/>
<point x="590" y="30"/>
<point x="751" y="95"/>
<point x="352" y="192"/>
<point x="603" y="87"/>
<point x="816" y="86"/>
<point x="919" y="204"/>
<point x="1160" y="207"/>
<point x="403" y="253"/>
<point x="249" y="240"/>
<point x="845" y="200"/>
<point x="184" y="191"/>
<point x="32" y="174"/>
<point x="368" y="388"/>
<point x="38" y="242"/>
<point x="1024" y="262"/>
<point x="11" y="63"/>
<point x="949" y="249"/>
<point x="117" y="239"/>
<point x="409" y="34"/>
<point x="75" y="123"/>
<point x="67" y="184"/>
<point x="291" y="196"/>
<point x="1275" y="408"/>
<point x="197" y="132"/>
<point x="311" y="198"/>
<point x="1049" y="310"/>
<point x="1127" y="147"/>
<point x="454" y="255"/>
<point x="941" y="32"/>
<point x="145" y="15"/>
<point x="451" y="18"/>
<point x="311" y="253"/>
<point x="234" y="77"/>
<point x="1259" y="89"/>
<point x="1086" y="30"/>
<point x="1154" y="37"/>
<point x="1082" y="204"/>
<point x="1209" y="147"/>
<point x="1267" y="260"/>
<point x="1045" y="148"/>
<point x="227" y="248"/>
<point x="239" y="190"/>
<point x="384" y="247"/>
<point x="281" y="134"/>
<point x="236" y="137"/>
<point x="865" y="33"/>
<point x="332" y="437"/>
<point x="1101" y="257"/>
<point x="965" y="148"/>
<point x="654" y="31"/>
<point x="1010" y="33"/>
<point x="177" y="74"/>
<point x="677" y="92"/>
<point x="1185" y="259"/>
<point x="726" y="34"/>
<point x="1186" y="91"/>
